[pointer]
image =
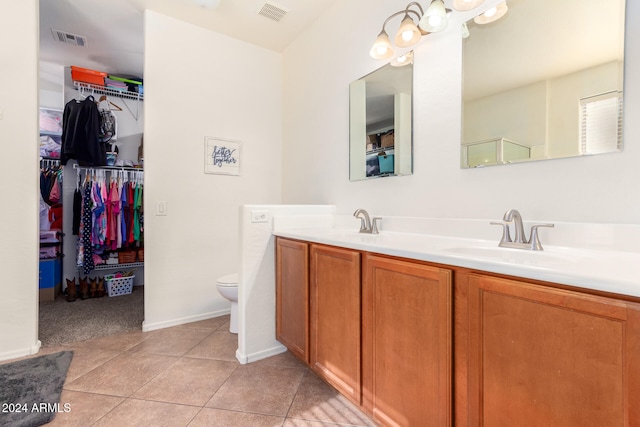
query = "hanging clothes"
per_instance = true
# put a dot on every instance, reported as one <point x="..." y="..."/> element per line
<point x="111" y="216"/>
<point x="80" y="133"/>
<point x="86" y="250"/>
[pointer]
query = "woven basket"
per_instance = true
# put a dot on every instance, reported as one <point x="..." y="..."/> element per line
<point x="141" y="255"/>
<point x="126" y="257"/>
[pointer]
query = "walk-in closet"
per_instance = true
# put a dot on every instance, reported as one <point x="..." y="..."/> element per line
<point x="91" y="184"/>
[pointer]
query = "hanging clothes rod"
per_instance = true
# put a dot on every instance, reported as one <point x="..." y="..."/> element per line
<point x="116" y="168"/>
<point x="49" y="163"/>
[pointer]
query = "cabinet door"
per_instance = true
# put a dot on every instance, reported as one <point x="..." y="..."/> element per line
<point x="407" y="339"/>
<point x="292" y="296"/>
<point x="335" y="318"/>
<point x="547" y="357"/>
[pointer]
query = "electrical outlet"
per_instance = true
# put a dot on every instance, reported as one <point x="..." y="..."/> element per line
<point x="259" y="216"/>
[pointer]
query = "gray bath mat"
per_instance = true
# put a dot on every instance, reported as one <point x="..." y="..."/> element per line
<point x="30" y="389"/>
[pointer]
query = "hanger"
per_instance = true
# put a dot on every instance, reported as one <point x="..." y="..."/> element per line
<point x="116" y="107"/>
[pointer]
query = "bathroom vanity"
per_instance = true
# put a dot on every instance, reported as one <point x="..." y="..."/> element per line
<point x="442" y="336"/>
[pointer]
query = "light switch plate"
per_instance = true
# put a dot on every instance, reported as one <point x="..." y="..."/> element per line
<point x="259" y="216"/>
<point x="161" y="208"/>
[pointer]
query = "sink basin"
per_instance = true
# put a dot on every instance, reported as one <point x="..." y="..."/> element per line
<point x="546" y="258"/>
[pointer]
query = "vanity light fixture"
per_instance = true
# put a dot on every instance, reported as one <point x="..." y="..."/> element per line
<point x="492" y="15"/>
<point x="402" y="60"/>
<point x="463" y="5"/>
<point x="465" y="30"/>
<point x="434" y="19"/>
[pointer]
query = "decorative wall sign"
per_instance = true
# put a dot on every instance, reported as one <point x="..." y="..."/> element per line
<point x="221" y="156"/>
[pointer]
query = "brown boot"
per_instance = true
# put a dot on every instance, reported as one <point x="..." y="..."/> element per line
<point x="101" y="290"/>
<point x="72" y="293"/>
<point x="93" y="288"/>
<point x="84" y="289"/>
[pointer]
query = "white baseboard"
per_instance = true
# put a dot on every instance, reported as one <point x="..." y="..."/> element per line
<point x="146" y="327"/>
<point x="254" y="357"/>
<point x="34" y="349"/>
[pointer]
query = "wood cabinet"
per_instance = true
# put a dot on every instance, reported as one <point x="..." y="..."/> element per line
<point x="406" y="323"/>
<point x="292" y="296"/>
<point x="419" y="344"/>
<point x="539" y="356"/>
<point x="335" y="318"/>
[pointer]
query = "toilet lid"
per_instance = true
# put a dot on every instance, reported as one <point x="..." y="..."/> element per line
<point x="228" y="280"/>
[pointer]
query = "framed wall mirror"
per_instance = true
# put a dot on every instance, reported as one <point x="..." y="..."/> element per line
<point x="545" y="81"/>
<point x="380" y="122"/>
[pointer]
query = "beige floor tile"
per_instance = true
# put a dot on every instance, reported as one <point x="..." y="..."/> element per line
<point x="219" y="345"/>
<point x="260" y="389"/>
<point x="212" y="324"/>
<point x="84" y="408"/>
<point x="188" y="381"/>
<point x="208" y="417"/>
<point x="171" y="342"/>
<point x="122" y="375"/>
<point x="85" y="360"/>
<point x="317" y="401"/>
<point x="117" y="342"/>
<point x="292" y="422"/>
<point x="134" y="413"/>
<point x="282" y="359"/>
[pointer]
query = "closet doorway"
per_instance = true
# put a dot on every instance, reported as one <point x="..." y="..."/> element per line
<point x="109" y="294"/>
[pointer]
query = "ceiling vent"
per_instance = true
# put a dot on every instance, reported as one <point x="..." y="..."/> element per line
<point x="69" y="38"/>
<point x="272" y="11"/>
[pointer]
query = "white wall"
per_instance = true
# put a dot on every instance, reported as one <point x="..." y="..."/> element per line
<point x="318" y="68"/>
<point x="257" y="286"/>
<point x="18" y="188"/>
<point x="199" y="83"/>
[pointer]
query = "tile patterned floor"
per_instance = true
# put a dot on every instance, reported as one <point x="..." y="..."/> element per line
<point x="188" y="376"/>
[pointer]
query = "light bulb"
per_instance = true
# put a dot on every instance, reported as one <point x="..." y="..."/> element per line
<point x="435" y="21"/>
<point x="407" y="35"/>
<point x="490" y="12"/>
<point x="434" y="18"/>
<point x="492" y="15"/>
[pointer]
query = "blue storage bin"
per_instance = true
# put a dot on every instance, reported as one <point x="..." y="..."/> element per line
<point x="50" y="273"/>
<point x="386" y="163"/>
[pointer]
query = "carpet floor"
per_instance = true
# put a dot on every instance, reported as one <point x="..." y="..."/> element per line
<point x="63" y="322"/>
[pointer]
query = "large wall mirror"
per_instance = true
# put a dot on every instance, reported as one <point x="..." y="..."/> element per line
<point x="543" y="82"/>
<point x="380" y="122"/>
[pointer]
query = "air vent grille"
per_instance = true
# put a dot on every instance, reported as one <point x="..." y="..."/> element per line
<point x="69" y="38"/>
<point x="272" y="11"/>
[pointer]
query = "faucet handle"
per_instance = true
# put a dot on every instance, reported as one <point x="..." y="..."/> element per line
<point x="374" y="224"/>
<point x="506" y="237"/>
<point x="534" y="239"/>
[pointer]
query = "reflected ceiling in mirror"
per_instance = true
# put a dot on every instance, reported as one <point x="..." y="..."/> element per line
<point x="543" y="82"/>
<point x="380" y="122"/>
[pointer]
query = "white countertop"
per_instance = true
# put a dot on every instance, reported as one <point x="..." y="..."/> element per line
<point x="604" y="270"/>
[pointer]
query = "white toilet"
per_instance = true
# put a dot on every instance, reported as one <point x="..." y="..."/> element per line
<point x="228" y="288"/>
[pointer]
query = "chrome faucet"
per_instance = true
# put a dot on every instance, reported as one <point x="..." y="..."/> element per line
<point x="519" y="241"/>
<point x="512" y="215"/>
<point x="366" y="225"/>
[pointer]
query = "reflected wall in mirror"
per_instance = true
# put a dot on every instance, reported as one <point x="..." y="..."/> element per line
<point x="543" y="82"/>
<point x="380" y="122"/>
